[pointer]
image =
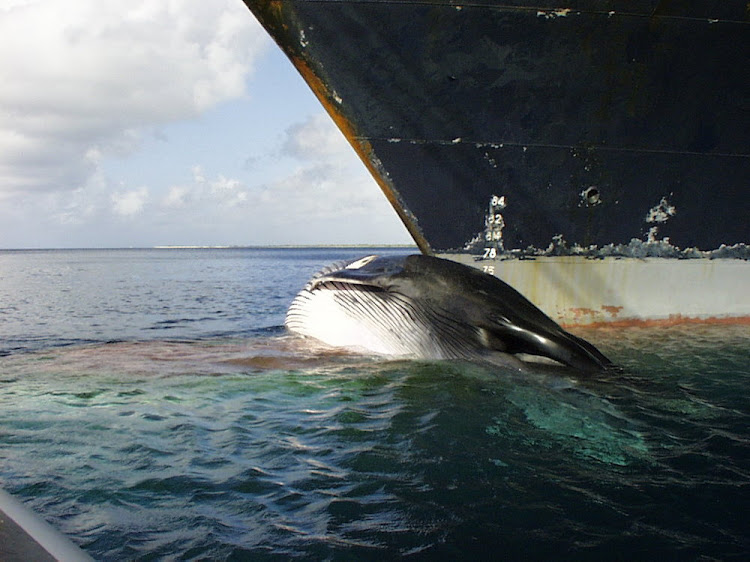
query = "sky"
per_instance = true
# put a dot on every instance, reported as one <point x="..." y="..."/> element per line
<point x="177" y="122"/>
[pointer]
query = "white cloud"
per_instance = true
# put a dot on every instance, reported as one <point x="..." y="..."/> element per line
<point x="178" y="197"/>
<point x="326" y="195"/>
<point x="85" y="79"/>
<point x="321" y="195"/>
<point x="316" y="138"/>
<point x="324" y="180"/>
<point x="227" y="191"/>
<point x="86" y="85"/>
<point x="330" y="180"/>
<point x="204" y="197"/>
<point x="129" y="203"/>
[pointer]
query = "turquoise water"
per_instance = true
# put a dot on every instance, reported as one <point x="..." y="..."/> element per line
<point x="151" y="407"/>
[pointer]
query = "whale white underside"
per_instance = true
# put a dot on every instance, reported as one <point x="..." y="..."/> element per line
<point x="371" y="320"/>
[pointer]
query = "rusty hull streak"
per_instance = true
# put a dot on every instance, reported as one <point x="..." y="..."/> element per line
<point x="582" y="317"/>
<point x="613" y="311"/>
<point x="672" y="320"/>
<point x="581" y="312"/>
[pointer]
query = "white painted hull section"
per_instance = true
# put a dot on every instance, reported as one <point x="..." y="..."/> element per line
<point x="576" y="290"/>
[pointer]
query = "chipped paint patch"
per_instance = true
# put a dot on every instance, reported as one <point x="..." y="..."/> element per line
<point x="613" y="311"/>
<point x="580" y="312"/>
<point x="671" y="320"/>
<point x="661" y="212"/>
<point x="490" y="160"/>
<point x="591" y="196"/>
<point x="553" y="14"/>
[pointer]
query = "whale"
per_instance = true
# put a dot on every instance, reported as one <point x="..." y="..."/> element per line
<point x="425" y="307"/>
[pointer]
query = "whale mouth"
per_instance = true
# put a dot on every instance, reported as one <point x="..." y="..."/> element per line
<point x="342" y="283"/>
<point x="371" y="271"/>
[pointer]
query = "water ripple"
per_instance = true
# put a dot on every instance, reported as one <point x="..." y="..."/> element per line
<point x="235" y="448"/>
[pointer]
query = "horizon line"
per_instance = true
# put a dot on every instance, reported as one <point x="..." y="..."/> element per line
<point x="211" y="247"/>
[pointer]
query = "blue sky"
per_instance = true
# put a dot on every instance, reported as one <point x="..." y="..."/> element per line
<point x="176" y="122"/>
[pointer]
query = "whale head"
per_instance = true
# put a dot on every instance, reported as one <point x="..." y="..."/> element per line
<point x="430" y="308"/>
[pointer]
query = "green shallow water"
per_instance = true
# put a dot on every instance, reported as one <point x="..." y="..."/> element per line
<point x="195" y="450"/>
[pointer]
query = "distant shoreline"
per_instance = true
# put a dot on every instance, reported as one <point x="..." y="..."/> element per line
<point x="222" y="247"/>
<point x="283" y="246"/>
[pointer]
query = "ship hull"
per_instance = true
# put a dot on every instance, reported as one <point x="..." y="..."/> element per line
<point x="608" y="130"/>
<point x="578" y="291"/>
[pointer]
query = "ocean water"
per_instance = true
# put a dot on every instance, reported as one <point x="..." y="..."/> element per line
<point x="153" y="408"/>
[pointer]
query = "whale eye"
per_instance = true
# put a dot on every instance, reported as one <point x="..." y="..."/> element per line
<point x="360" y="262"/>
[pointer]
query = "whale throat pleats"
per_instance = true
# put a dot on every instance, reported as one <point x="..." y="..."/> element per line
<point x="371" y="318"/>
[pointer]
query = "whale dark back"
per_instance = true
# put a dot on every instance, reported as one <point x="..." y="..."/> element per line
<point x="513" y="324"/>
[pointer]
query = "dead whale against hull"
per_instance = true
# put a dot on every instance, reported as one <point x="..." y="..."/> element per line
<point x="424" y="307"/>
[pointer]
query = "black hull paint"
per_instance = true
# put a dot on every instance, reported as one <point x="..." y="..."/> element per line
<point x="596" y="122"/>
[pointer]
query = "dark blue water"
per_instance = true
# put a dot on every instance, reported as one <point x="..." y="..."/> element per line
<point x="151" y="407"/>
